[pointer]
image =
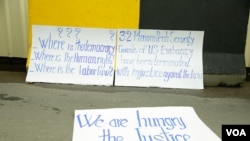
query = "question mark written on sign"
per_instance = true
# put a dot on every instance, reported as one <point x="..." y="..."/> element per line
<point x="77" y="30"/>
<point x="60" y="30"/>
<point x="112" y="34"/>
<point x="68" y="32"/>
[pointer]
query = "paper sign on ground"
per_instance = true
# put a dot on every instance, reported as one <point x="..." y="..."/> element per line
<point x="141" y="124"/>
<point x="159" y="58"/>
<point x="72" y="55"/>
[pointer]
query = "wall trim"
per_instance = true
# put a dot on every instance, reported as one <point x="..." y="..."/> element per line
<point x="13" y="64"/>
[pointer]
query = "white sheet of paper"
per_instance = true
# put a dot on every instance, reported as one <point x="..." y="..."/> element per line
<point x="159" y="58"/>
<point x="141" y="124"/>
<point x="72" y="55"/>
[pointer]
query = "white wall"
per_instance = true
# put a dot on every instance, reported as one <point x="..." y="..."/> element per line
<point x="13" y="28"/>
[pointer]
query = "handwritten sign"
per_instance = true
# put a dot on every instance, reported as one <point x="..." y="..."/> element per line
<point x="72" y="55"/>
<point x="141" y="124"/>
<point x="159" y="58"/>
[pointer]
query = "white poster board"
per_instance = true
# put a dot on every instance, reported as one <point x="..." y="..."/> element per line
<point x="72" y="55"/>
<point x="141" y="124"/>
<point x="159" y="58"/>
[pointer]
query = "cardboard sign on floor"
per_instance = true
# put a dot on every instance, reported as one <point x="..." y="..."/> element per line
<point x="72" y="55"/>
<point x="159" y="58"/>
<point x="141" y="124"/>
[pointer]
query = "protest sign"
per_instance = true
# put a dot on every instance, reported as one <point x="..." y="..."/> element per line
<point x="72" y="55"/>
<point x="141" y="124"/>
<point x="159" y="58"/>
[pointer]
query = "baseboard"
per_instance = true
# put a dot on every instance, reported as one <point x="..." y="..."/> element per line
<point x="19" y="65"/>
<point x="13" y="64"/>
<point x="228" y="80"/>
<point x="248" y="74"/>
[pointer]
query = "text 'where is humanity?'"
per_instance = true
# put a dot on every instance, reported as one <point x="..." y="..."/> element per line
<point x="120" y="57"/>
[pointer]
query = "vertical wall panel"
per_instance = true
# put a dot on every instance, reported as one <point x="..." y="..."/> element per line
<point x="4" y="51"/>
<point x="224" y="22"/>
<point x="247" y="49"/>
<point x="13" y="28"/>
